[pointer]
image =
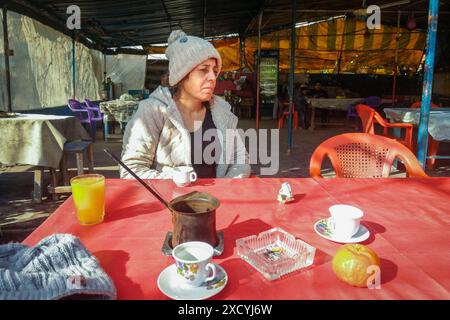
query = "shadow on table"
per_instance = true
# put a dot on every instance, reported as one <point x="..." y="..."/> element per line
<point x="374" y="229"/>
<point x="388" y="270"/>
<point x="114" y="263"/>
<point x="240" y="230"/>
<point x="238" y="279"/>
<point x="321" y="257"/>
<point x="297" y="198"/>
<point x="133" y="211"/>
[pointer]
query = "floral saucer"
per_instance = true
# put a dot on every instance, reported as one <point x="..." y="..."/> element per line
<point x="323" y="229"/>
<point x="169" y="284"/>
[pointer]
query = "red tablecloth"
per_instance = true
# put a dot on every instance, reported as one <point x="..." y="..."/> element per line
<point x="409" y="220"/>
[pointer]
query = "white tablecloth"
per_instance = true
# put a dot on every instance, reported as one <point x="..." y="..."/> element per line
<point x="119" y="110"/>
<point x="333" y="104"/>
<point x="438" y="126"/>
<point x="37" y="139"/>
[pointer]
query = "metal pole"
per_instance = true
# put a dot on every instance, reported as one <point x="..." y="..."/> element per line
<point x="73" y="67"/>
<point x="291" y="75"/>
<point x="258" y="78"/>
<point x="394" y="84"/>
<point x="427" y="82"/>
<point x="7" y="52"/>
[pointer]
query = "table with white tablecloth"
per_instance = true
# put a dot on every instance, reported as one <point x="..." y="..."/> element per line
<point x="438" y="125"/>
<point x="329" y="104"/>
<point x="118" y="110"/>
<point x="37" y="140"/>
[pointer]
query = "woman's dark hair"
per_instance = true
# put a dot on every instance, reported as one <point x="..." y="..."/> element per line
<point x="176" y="88"/>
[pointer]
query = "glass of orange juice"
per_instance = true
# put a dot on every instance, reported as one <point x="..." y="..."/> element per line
<point x="88" y="192"/>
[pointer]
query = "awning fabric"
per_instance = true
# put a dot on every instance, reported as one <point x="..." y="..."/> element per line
<point x="344" y="45"/>
<point x="341" y="45"/>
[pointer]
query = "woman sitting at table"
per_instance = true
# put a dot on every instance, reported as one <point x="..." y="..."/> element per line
<point x="168" y="130"/>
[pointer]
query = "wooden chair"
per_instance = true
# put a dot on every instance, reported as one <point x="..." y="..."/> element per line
<point x="363" y="155"/>
<point x="78" y="148"/>
<point x="369" y="117"/>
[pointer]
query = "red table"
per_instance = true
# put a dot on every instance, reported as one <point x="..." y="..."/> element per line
<point x="409" y="220"/>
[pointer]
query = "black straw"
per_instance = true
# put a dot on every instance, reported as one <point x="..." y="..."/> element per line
<point x="154" y="192"/>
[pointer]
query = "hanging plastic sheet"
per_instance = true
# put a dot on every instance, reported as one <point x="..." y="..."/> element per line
<point x="126" y="71"/>
<point x="2" y="68"/>
<point x="41" y="67"/>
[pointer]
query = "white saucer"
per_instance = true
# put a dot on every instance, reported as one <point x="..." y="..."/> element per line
<point x="323" y="229"/>
<point x="168" y="283"/>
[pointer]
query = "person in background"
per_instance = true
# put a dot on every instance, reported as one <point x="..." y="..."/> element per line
<point x="301" y="105"/>
<point x="317" y="91"/>
<point x="163" y="132"/>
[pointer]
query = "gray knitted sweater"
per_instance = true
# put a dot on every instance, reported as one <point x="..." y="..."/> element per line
<point x="59" y="266"/>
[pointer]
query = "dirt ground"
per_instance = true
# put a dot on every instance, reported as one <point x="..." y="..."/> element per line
<point x="19" y="216"/>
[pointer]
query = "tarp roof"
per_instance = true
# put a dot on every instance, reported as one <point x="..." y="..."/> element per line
<point x="341" y="45"/>
<point x="118" y="23"/>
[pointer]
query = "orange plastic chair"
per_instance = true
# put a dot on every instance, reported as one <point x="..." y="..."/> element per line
<point x="433" y="145"/>
<point x="363" y="155"/>
<point x="369" y="117"/>
<point x="286" y="114"/>
<point x="418" y="104"/>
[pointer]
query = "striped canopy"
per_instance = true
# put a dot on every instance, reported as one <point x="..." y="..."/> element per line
<point x="340" y="45"/>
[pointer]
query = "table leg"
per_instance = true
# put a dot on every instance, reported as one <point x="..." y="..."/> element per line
<point x="106" y="133"/>
<point x="313" y="114"/>
<point x="54" y="183"/>
<point x="38" y="182"/>
<point x="64" y="170"/>
<point x="80" y="169"/>
<point x="90" y="156"/>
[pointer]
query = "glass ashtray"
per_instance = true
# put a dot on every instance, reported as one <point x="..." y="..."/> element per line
<point x="275" y="253"/>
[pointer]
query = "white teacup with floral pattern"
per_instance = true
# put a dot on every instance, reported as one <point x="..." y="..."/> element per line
<point x="193" y="261"/>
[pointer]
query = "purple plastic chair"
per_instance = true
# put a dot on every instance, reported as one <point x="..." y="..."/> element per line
<point x="97" y="115"/>
<point x="373" y="101"/>
<point x="84" y="114"/>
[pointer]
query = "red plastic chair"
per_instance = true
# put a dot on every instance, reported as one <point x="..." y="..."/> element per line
<point x="363" y="155"/>
<point x="418" y="104"/>
<point x="286" y="114"/>
<point x="433" y="145"/>
<point x="370" y="117"/>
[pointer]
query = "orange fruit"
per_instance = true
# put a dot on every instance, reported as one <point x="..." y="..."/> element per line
<point x="351" y="261"/>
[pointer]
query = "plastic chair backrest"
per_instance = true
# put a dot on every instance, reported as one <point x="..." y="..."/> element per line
<point x="75" y="104"/>
<point x="91" y="104"/>
<point x="363" y="155"/>
<point x="366" y="115"/>
<point x="372" y="101"/>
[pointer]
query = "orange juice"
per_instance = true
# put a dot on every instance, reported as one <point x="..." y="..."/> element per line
<point x="88" y="193"/>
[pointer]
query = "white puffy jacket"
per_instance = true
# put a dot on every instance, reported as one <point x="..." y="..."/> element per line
<point x="156" y="140"/>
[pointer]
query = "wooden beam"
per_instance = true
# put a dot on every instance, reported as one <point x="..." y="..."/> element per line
<point x="257" y="16"/>
<point x="7" y="53"/>
<point x="167" y="14"/>
<point x="112" y="52"/>
<point x="204" y="18"/>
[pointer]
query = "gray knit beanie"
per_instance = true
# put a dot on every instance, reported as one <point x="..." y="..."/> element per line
<point x="186" y="52"/>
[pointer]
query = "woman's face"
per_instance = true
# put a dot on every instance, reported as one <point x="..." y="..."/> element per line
<point x="201" y="81"/>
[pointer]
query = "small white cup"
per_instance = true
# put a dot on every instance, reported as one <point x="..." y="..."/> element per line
<point x="345" y="220"/>
<point x="183" y="176"/>
<point x="193" y="261"/>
